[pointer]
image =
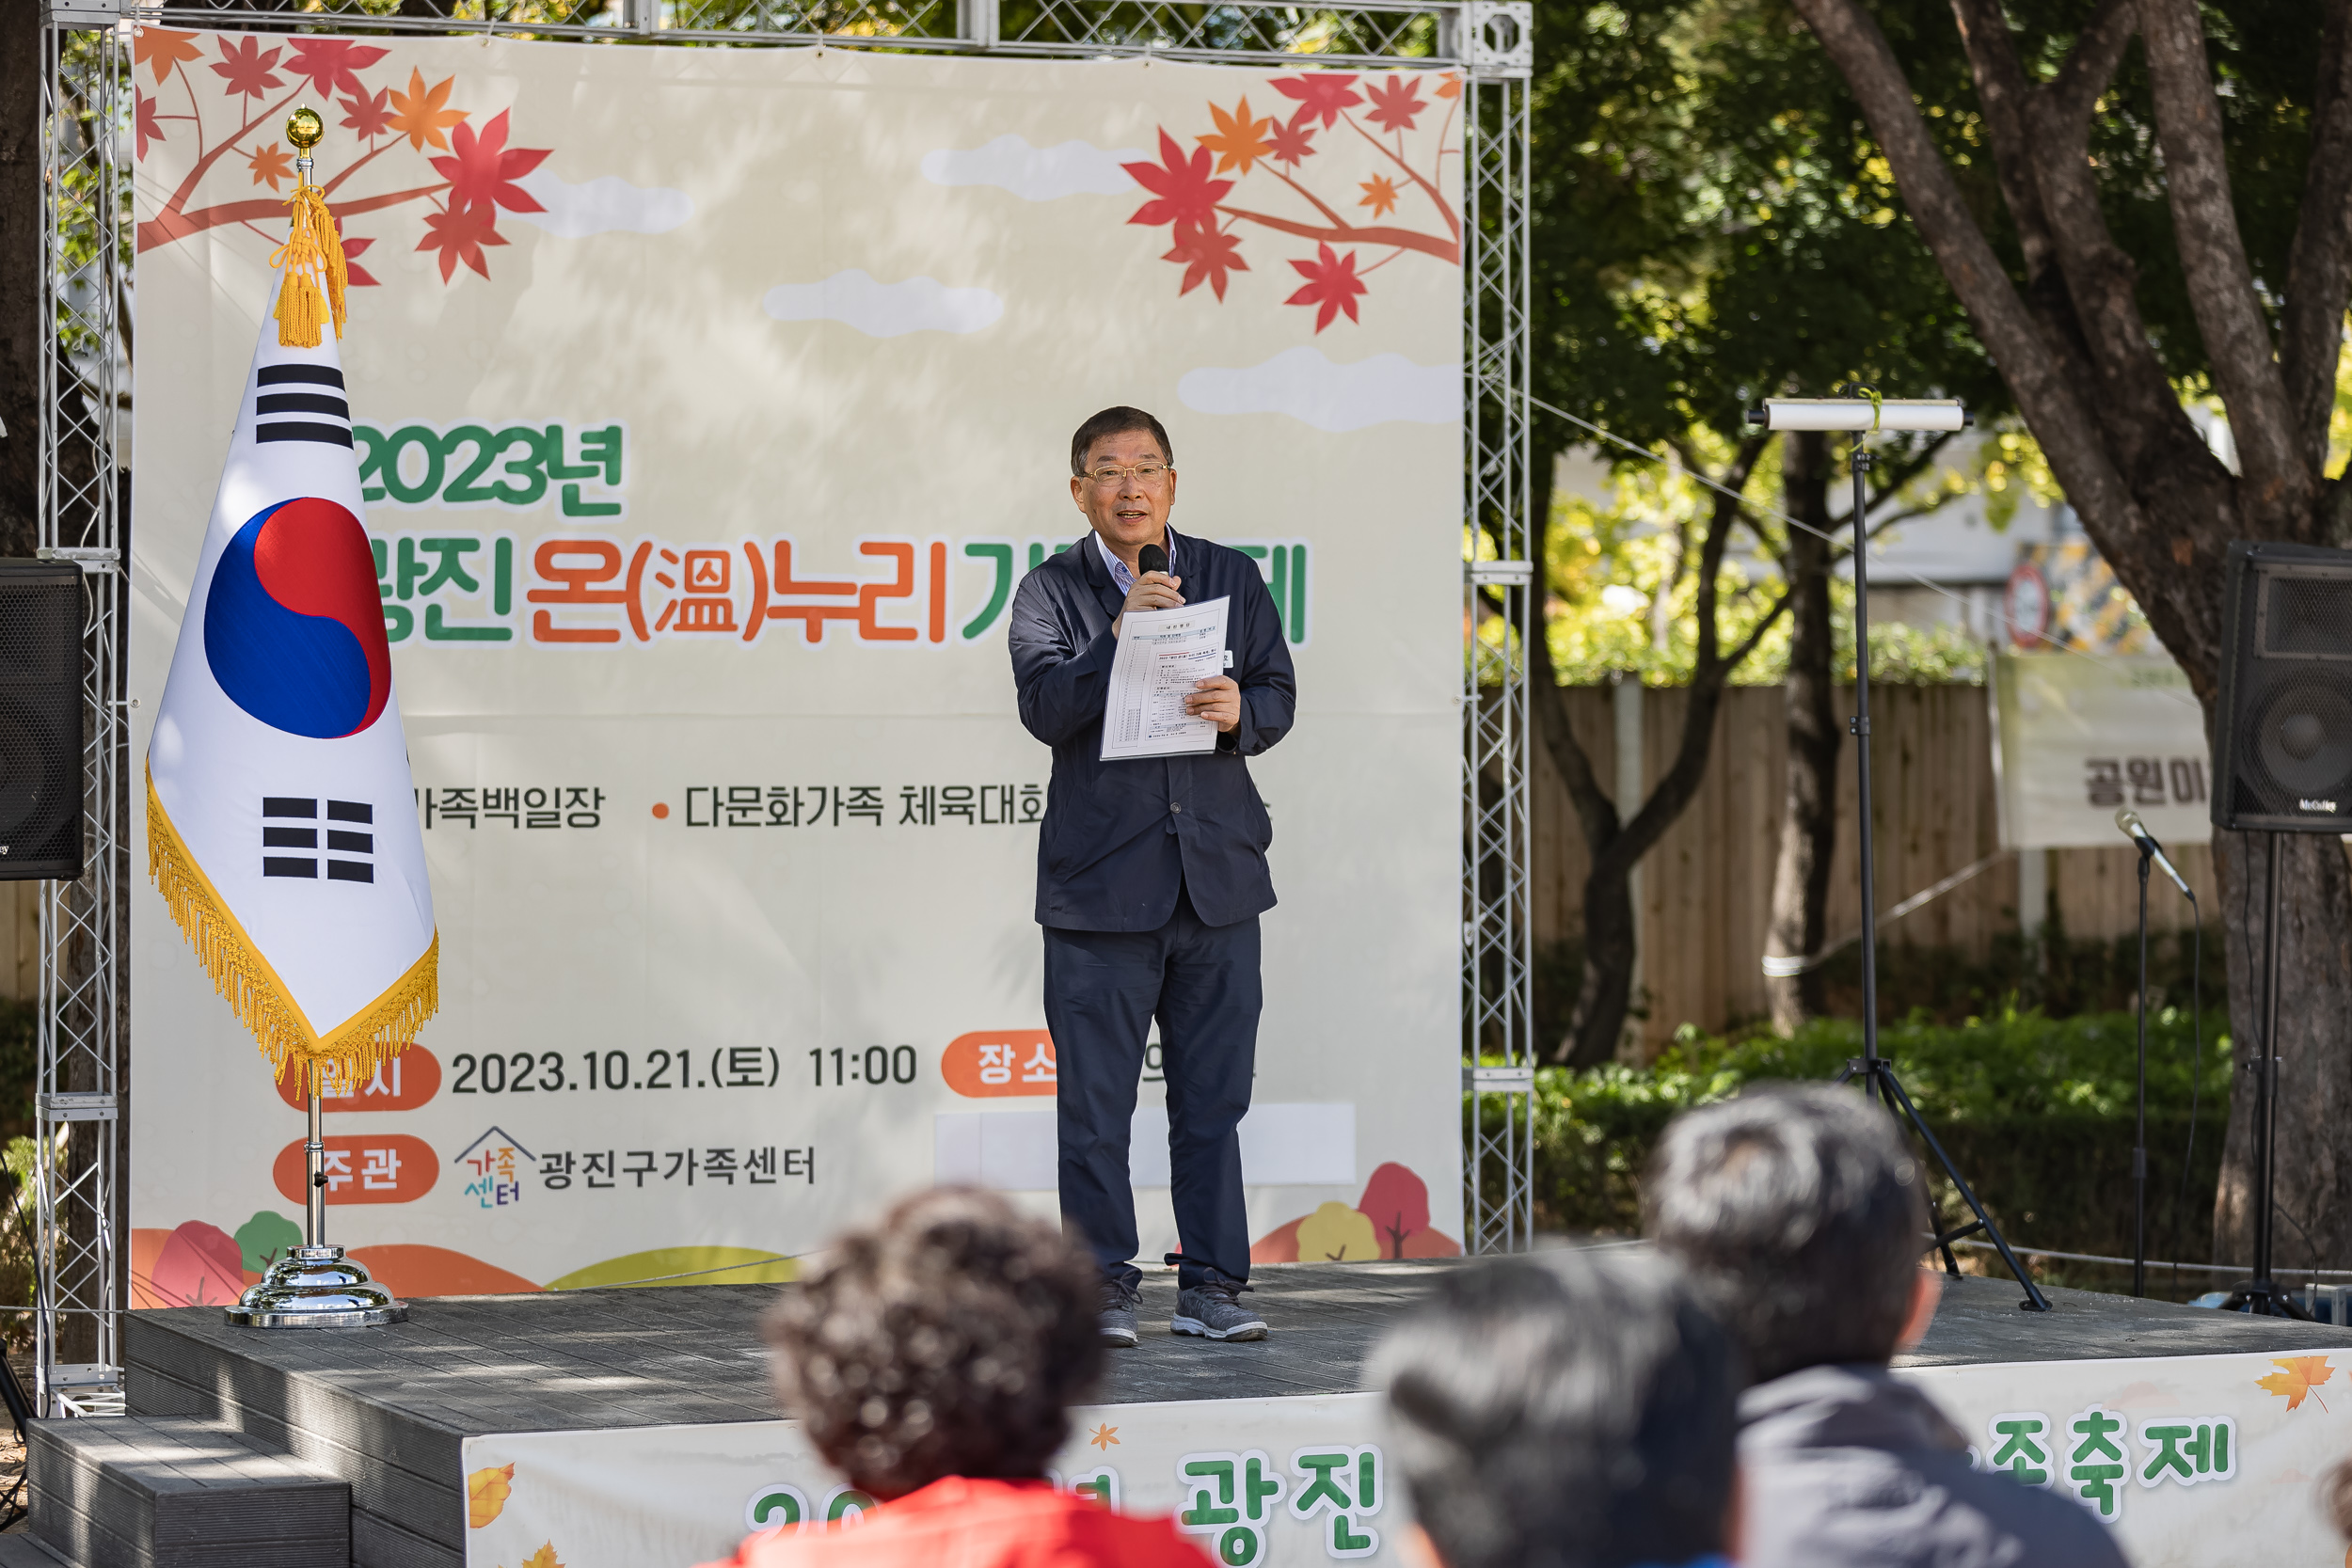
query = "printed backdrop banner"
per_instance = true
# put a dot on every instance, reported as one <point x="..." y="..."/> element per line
<point x="2191" y="1459"/>
<point x="2077" y="736"/>
<point x="708" y="405"/>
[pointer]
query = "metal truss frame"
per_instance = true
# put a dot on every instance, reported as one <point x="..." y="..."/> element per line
<point x="1499" y="612"/>
<point x="79" y="1265"/>
<point x="82" y="1092"/>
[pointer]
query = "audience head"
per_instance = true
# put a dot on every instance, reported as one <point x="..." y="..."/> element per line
<point x="1801" y="1218"/>
<point x="2335" y="1495"/>
<point x="1571" y="1411"/>
<point x="949" y="1339"/>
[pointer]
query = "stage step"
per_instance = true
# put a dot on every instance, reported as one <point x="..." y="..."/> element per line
<point x="175" y="1492"/>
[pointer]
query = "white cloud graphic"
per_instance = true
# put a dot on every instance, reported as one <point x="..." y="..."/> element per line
<point x="1301" y="382"/>
<point x="1036" y="173"/>
<point x="603" y="206"/>
<point x="885" y="309"/>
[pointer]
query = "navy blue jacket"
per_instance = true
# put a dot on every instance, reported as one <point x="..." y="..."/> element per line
<point x="1120" y="838"/>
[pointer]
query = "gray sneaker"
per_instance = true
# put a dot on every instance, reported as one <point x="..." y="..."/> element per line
<point x="1210" y="1312"/>
<point x="1117" y="1316"/>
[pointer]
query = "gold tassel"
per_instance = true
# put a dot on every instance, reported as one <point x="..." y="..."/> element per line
<point x="312" y="256"/>
<point x="252" y="989"/>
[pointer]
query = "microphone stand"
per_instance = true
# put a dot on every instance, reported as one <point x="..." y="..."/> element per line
<point x="2140" y="1134"/>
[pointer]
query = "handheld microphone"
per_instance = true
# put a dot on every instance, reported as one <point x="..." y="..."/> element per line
<point x="1151" y="559"/>
<point x="2129" y="821"/>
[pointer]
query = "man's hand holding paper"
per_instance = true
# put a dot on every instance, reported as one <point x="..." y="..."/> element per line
<point x="1165" y="673"/>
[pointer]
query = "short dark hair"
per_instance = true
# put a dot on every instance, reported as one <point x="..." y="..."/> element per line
<point x="1800" y="1217"/>
<point x="1114" y="422"/>
<point x="1571" y="1411"/>
<point x="947" y="1340"/>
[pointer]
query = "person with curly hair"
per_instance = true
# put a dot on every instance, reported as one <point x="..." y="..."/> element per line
<point x="932" y="1359"/>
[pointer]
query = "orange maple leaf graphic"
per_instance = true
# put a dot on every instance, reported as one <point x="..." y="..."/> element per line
<point x="1379" y="194"/>
<point x="543" y="1557"/>
<point x="487" y="1492"/>
<point x="2298" y="1375"/>
<point x="1449" y="85"/>
<point x="160" y="48"/>
<point x="1239" y="142"/>
<point x="1105" y="1437"/>
<point x="270" y="165"/>
<point x="417" y="114"/>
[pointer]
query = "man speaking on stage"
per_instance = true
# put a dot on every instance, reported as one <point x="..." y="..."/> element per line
<point x="1151" y="873"/>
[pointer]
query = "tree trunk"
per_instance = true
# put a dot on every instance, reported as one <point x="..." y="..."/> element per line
<point x="2077" y="355"/>
<point x="1809" y="822"/>
<point x="1618" y="833"/>
<point x="22" y="49"/>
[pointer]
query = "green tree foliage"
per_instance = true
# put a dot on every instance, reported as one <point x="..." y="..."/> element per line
<point x="1712" y="226"/>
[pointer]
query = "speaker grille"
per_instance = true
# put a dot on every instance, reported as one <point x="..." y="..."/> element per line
<point x="2285" y="717"/>
<point x="2306" y="617"/>
<point x="40" y="720"/>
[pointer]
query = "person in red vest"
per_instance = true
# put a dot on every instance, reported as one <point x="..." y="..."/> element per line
<point x="933" y="1360"/>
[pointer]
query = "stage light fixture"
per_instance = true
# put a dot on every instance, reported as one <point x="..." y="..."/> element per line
<point x="1860" y="414"/>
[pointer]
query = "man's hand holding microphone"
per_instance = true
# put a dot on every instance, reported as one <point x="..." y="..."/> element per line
<point x="1217" y="699"/>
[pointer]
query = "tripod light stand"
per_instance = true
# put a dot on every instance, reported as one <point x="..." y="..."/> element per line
<point x="1861" y="416"/>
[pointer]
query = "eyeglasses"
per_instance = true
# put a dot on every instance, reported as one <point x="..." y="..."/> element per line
<point x="1106" y="476"/>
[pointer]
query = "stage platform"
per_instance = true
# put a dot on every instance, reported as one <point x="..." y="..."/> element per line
<point x="391" y="1410"/>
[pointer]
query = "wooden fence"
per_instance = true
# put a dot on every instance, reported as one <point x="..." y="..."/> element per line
<point x="1706" y="890"/>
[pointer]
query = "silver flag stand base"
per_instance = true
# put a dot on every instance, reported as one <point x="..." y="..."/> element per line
<point x="316" y="1287"/>
<point x="315" y="1284"/>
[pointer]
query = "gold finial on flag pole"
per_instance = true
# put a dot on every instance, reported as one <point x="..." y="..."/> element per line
<point x="313" y="255"/>
<point x="304" y="128"/>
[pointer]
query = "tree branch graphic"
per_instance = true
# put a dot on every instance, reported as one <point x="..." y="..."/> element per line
<point x="477" y="170"/>
<point x="1206" y="229"/>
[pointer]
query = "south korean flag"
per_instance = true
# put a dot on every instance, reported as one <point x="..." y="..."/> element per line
<point x="282" y="825"/>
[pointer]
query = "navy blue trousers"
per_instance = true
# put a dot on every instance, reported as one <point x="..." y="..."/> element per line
<point x="1103" y="990"/>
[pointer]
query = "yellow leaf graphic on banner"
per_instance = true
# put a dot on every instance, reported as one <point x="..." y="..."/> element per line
<point x="543" y="1557"/>
<point x="2298" y="1375"/>
<point x="487" y="1492"/>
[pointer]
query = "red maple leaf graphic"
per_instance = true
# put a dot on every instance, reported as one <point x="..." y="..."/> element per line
<point x="246" y="68"/>
<point x="357" y="275"/>
<point x="369" y="118"/>
<point x="1396" y="103"/>
<point x="484" y="171"/>
<point x="1331" y="283"/>
<point x="459" y="233"/>
<point x="1290" y="143"/>
<point x="143" y="123"/>
<point x="327" y="64"/>
<point x="1184" y="191"/>
<point x="1209" y="254"/>
<point x="1320" y="96"/>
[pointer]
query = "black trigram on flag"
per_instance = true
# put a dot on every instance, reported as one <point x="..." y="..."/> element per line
<point x="290" y="822"/>
<point x="305" y="405"/>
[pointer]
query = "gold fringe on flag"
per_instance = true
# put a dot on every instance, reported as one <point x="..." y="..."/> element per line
<point x="380" y="1031"/>
<point x="313" y="255"/>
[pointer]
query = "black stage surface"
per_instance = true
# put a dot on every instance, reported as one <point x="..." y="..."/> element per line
<point x="387" y="1408"/>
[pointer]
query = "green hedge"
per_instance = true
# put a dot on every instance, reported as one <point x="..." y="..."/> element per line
<point x="2037" y="1112"/>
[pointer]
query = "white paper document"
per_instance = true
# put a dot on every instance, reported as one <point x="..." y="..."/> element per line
<point x="1161" y="654"/>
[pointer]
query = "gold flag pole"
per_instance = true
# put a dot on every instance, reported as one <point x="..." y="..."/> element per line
<point x="314" y="1286"/>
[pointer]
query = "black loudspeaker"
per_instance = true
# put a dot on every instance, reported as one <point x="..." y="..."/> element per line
<point x="40" y="720"/>
<point x="2282" y="735"/>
